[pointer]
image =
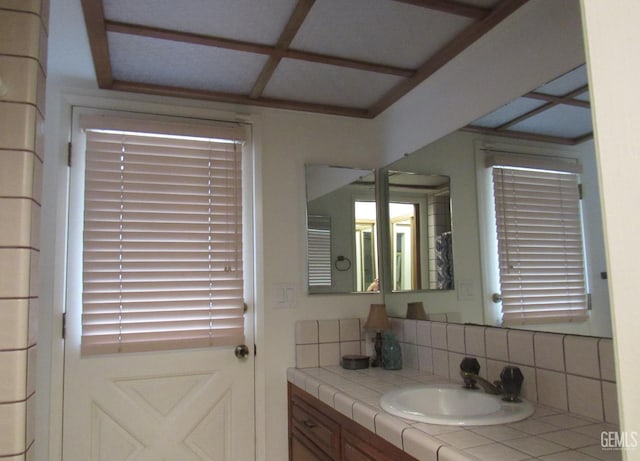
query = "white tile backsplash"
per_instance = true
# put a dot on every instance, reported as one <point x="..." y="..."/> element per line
<point x="549" y="351"/>
<point x="425" y="359"/>
<point x="607" y="363"/>
<point x="610" y="402"/>
<point x="307" y="356"/>
<point x="328" y="331"/>
<point x="410" y="331"/>
<point x="439" y="335"/>
<point x="520" y="347"/>
<point x="329" y="354"/>
<point x="585" y="396"/>
<point x="552" y="388"/>
<point x="350" y="348"/>
<point x="474" y="340"/>
<point x="586" y="388"/>
<point x="307" y="332"/>
<point x="581" y="356"/>
<point x="423" y="333"/>
<point x="441" y="363"/>
<point x="455" y="337"/>
<point x="496" y="344"/>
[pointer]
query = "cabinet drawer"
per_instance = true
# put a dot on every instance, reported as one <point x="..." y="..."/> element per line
<point x="301" y="453"/>
<point x="316" y="427"/>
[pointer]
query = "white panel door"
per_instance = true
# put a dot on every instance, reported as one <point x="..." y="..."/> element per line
<point x="187" y="405"/>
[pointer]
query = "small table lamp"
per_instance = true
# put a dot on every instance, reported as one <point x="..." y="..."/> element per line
<point x="378" y="322"/>
<point x="415" y="311"/>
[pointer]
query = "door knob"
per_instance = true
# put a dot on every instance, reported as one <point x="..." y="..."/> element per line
<point x="242" y="351"/>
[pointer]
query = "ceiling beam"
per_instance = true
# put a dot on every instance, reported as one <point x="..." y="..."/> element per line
<point x="186" y="37"/>
<point x="452" y="49"/>
<point x="570" y="101"/>
<point x="249" y="47"/>
<point x="232" y="98"/>
<point x="526" y="136"/>
<point x="553" y="102"/>
<point x="94" y="19"/>
<point x="286" y="37"/>
<point x="452" y="7"/>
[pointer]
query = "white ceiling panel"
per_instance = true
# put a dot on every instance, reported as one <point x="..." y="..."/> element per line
<point x="164" y="62"/>
<point x="326" y="84"/>
<point x="389" y="32"/>
<point x="566" y="83"/>
<point x="564" y="121"/>
<point x="508" y="112"/>
<point x="339" y="56"/>
<point x="246" y="20"/>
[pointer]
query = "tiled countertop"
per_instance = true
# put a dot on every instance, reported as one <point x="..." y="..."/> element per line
<point x="549" y="434"/>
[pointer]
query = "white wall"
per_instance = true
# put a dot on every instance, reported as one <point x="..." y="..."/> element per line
<point x="290" y="141"/>
<point x="612" y="37"/>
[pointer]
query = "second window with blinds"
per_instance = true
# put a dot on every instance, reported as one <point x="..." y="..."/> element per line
<point x="540" y="247"/>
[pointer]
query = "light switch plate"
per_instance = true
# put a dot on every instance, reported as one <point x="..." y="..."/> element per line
<point x="284" y="295"/>
<point x="466" y="290"/>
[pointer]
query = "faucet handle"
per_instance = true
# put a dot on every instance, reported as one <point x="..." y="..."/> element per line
<point x="470" y="365"/>
<point x="469" y="368"/>
<point x="511" y="380"/>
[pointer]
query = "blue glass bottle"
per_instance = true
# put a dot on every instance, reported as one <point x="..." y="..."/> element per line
<point x="391" y="352"/>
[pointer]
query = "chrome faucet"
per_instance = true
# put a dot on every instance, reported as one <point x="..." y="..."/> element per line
<point x="509" y="385"/>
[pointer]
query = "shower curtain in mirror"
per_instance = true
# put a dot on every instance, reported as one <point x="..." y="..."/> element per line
<point x="444" y="261"/>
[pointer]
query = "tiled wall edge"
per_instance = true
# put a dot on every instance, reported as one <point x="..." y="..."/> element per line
<point x="512" y="346"/>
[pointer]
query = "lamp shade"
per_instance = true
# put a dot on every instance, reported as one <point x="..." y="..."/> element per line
<point x="378" y="320"/>
<point x="415" y="311"/>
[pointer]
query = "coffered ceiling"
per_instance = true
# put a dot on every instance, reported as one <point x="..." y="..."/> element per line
<point x="344" y="57"/>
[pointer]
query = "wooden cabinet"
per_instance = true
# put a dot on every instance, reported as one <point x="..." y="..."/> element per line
<point x="299" y="451"/>
<point x="317" y="432"/>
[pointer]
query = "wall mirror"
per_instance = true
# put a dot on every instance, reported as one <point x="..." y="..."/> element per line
<point x="565" y="132"/>
<point x="420" y="244"/>
<point x="342" y="228"/>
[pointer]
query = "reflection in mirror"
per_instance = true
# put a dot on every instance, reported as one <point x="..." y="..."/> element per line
<point x="420" y="240"/>
<point x="551" y="121"/>
<point x="342" y="242"/>
<point x="366" y="246"/>
<point x="461" y="156"/>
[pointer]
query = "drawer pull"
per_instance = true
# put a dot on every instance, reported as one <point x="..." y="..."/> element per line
<point x="309" y="423"/>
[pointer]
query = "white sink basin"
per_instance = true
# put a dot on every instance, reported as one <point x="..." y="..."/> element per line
<point x="450" y="404"/>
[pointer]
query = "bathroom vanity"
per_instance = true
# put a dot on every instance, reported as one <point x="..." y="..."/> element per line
<point x="334" y="414"/>
<point x="319" y="432"/>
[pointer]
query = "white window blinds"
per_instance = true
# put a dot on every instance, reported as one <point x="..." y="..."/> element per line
<point x="539" y="229"/>
<point x="162" y="257"/>
<point x="319" y="251"/>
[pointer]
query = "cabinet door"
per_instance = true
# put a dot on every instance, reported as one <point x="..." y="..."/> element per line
<point x="310" y="423"/>
<point x="301" y="453"/>
<point x="356" y="449"/>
